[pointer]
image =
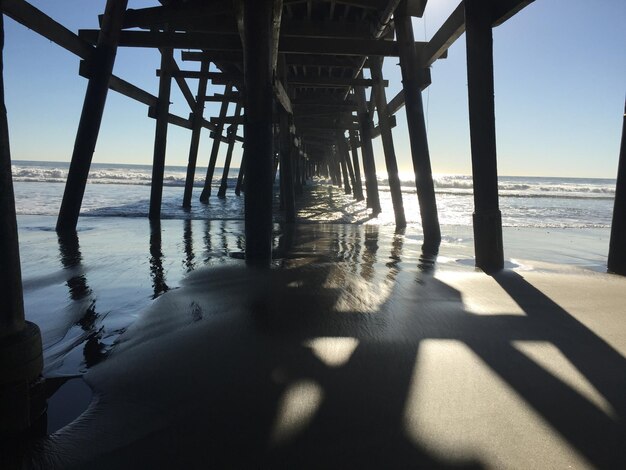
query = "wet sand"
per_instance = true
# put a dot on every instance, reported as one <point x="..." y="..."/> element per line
<point x="351" y="352"/>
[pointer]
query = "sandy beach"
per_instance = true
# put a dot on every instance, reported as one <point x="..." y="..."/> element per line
<point x="352" y="352"/>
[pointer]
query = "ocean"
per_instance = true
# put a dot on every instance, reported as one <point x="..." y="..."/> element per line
<point x="122" y="190"/>
<point x="84" y="291"/>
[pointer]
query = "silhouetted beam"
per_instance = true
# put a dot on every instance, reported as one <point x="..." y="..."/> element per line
<point x="332" y="82"/>
<point x="454" y="26"/>
<point x="324" y="29"/>
<point x="156" y="16"/>
<point x="214" y="56"/>
<point x="370" y="4"/>
<point x="196" y="74"/>
<point x="171" y="119"/>
<point x="232" y="42"/>
<point x="322" y="61"/>
<point x="182" y="85"/>
<point x="42" y="24"/>
<point x="341" y="105"/>
<point x="227" y="120"/>
<point x="219" y="98"/>
<point x="281" y="96"/>
<point x="398" y="101"/>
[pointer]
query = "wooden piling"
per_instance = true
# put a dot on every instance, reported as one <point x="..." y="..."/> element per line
<point x="160" y="134"/>
<point x="369" y="166"/>
<point x="197" y="119"/>
<point x="21" y="360"/>
<point x="388" y="148"/>
<point x="101" y="68"/>
<point x="344" y="171"/>
<point x="487" y="217"/>
<point x="617" y="246"/>
<point x="258" y="72"/>
<point x="345" y="155"/>
<point x="240" y="176"/>
<point x="286" y="167"/>
<point x="412" y="79"/>
<point x="231" y="134"/>
<point x="219" y="130"/>
<point x="358" y="185"/>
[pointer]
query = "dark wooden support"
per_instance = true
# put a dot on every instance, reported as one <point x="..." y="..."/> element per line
<point x="487" y="217"/>
<point x="160" y="135"/>
<point x="345" y="155"/>
<point x="358" y="185"/>
<point x="219" y="130"/>
<point x="286" y="166"/>
<point x="369" y="166"/>
<point x="341" y="163"/>
<point x="258" y="44"/>
<point x="21" y="360"/>
<point x="231" y="134"/>
<point x="380" y="98"/>
<point x="102" y="60"/>
<point x="196" y="119"/>
<point x="617" y="246"/>
<point x="240" y="176"/>
<point x="412" y="81"/>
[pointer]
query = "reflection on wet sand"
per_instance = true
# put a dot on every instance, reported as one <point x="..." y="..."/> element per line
<point x="156" y="260"/>
<point x="80" y="292"/>
<point x="341" y="359"/>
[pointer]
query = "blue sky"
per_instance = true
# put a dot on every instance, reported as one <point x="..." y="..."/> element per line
<point x="560" y="85"/>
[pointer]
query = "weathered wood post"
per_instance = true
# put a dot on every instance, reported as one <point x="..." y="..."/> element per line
<point x="345" y="155"/>
<point x="617" y="247"/>
<point x="231" y="134"/>
<point x="376" y="68"/>
<point x="219" y="130"/>
<point x="369" y="166"/>
<point x="258" y="71"/>
<point x="344" y="169"/>
<point x="286" y="166"/>
<point x="20" y="341"/>
<point x="240" y="175"/>
<point x="412" y="80"/>
<point x="487" y="217"/>
<point x="101" y="67"/>
<point x="358" y="186"/>
<point x="196" y="123"/>
<point x="160" y="134"/>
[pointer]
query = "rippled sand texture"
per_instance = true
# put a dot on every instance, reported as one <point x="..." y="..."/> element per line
<point x="351" y="352"/>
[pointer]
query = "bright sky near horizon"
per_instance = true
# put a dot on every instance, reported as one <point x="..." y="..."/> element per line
<point x="560" y="86"/>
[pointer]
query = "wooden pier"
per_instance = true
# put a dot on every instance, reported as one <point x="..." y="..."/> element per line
<point x="307" y="81"/>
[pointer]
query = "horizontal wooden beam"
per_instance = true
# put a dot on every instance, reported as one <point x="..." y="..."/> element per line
<point x="330" y="82"/>
<point x="219" y="76"/>
<point x="232" y="42"/>
<point x="454" y="26"/>
<point x="171" y="118"/>
<point x="161" y="15"/>
<point x="339" y="105"/>
<point x="42" y="24"/>
<point x="220" y="98"/>
<point x="282" y="97"/>
<point x="214" y="56"/>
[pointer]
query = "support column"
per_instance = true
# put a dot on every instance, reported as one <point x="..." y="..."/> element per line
<point x="232" y="134"/>
<point x="195" y="135"/>
<point x="160" y="134"/>
<point x="344" y="171"/>
<point x="20" y="341"/>
<point x="412" y="80"/>
<point x="487" y="217"/>
<point x="387" y="138"/>
<point x="617" y="246"/>
<point x="101" y="67"/>
<point x="258" y="71"/>
<point x="369" y="166"/>
<point x="219" y="130"/>
<point x="240" y="176"/>
<point x="286" y="166"/>
<point x="358" y="185"/>
<point x="345" y="154"/>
